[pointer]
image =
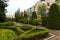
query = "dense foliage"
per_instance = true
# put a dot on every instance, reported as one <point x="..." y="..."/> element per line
<point x="25" y="14"/>
<point x="36" y="21"/>
<point x="54" y="17"/>
<point x="22" y="32"/>
<point x="33" y="33"/>
<point x="17" y="15"/>
<point x="34" y="15"/>
<point x="9" y="23"/>
<point x="2" y="11"/>
<point x="44" y="21"/>
<point x="6" y="34"/>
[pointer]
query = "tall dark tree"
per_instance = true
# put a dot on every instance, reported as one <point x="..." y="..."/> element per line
<point x="17" y="15"/>
<point x="54" y="17"/>
<point x="2" y="11"/>
<point x="34" y="15"/>
<point x="43" y="15"/>
<point x="25" y="14"/>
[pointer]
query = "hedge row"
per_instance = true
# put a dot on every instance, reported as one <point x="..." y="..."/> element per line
<point x="9" y="23"/>
<point x="14" y="28"/>
<point x="26" y="28"/>
<point x="6" y="34"/>
<point x="30" y="21"/>
<point x="34" y="34"/>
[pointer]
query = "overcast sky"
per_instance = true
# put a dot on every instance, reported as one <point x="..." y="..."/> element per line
<point x="13" y="5"/>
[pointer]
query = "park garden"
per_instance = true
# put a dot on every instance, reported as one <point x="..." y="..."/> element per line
<point x="10" y="31"/>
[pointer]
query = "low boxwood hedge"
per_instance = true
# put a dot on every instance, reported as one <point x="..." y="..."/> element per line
<point x="36" y="32"/>
<point x="14" y="28"/>
<point x="9" y="23"/>
<point x="36" y="21"/>
<point x="26" y="28"/>
<point x="6" y="34"/>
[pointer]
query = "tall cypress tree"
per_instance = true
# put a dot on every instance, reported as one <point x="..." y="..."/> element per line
<point x="2" y="11"/>
<point x="17" y="15"/>
<point x="25" y="14"/>
<point x="54" y="17"/>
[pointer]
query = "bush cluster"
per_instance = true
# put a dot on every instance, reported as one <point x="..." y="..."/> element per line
<point x="30" y="21"/>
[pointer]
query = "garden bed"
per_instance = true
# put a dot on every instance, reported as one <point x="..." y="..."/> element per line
<point x="26" y="28"/>
<point x="6" y="34"/>
<point x="25" y="32"/>
<point x="34" y="34"/>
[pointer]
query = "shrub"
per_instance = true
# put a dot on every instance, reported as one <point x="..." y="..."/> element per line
<point x="54" y="17"/>
<point x="6" y="34"/>
<point x="36" y="21"/>
<point x="44" y="21"/>
<point x="25" y="15"/>
<point x="26" y="28"/>
<point x="17" y="15"/>
<point x="34" y="15"/>
<point x="33" y="34"/>
<point x="25" y="21"/>
<point x="9" y="23"/>
<point x="16" y="29"/>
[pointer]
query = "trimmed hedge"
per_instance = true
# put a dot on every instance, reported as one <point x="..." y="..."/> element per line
<point x="26" y="32"/>
<point x="9" y="23"/>
<point x="54" y="17"/>
<point x="6" y="34"/>
<point x="14" y="28"/>
<point x="26" y="28"/>
<point x="34" y="33"/>
<point x="37" y="21"/>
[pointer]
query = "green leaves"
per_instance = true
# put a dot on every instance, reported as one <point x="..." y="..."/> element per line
<point x="2" y="12"/>
<point x="54" y="17"/>
<point x="6" y="34"/>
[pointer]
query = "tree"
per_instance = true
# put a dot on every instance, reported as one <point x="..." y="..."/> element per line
<point x="25" y="14"/>
<point x="17" y="15"/>
<point x="39" y="9"/>
<point x="2" y="11"/>
<point x="43" y="15"/>
<point x="57" y="1"/>
<point x="54" y="17"/>
<point x="34" y="16"/>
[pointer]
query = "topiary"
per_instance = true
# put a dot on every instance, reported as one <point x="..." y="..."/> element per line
<point x="54" y="17"/>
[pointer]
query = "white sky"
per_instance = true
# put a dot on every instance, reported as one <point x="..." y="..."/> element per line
<point x="13" y="5"/>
